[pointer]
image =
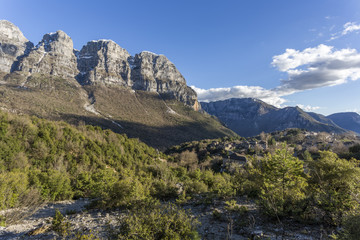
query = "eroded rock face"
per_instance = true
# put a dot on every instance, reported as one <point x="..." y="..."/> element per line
<point x="98" y="62"/>
<point x="155" y="73"/>
<point x="104" y="61"/>
<point x="54" y="55"/>
<point x="13" y="44"/>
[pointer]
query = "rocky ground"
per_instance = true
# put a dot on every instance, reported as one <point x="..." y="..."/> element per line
<point x="218" y="221"/>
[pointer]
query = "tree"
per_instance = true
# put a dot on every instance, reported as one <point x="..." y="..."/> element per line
<point x="282" y="182"/>
<point x="334" y="185"/>
<point x="189" y="160"/>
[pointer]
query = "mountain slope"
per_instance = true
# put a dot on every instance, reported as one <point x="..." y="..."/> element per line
<point x="250" y="117"/>
<point x="144" y="96"/>
<point x="347" y="120"/>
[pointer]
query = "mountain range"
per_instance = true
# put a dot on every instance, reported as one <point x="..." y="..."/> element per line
<point x="144" y="96"/>
<point x="249" y="117"/>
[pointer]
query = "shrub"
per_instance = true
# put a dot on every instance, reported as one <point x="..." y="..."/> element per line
<point x="54" y="185"/>
<point x="334" y="186"/>
<point x="281" y="181"/>
<point x="222" y="185"/>
<point x="12" y="185"/>
<point x="157" y="222"/>
<point x="60" y="225"/>
<point x="195" y="187"/>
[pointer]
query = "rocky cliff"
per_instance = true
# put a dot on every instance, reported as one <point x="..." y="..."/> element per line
<point x="155" y="73"/>
<point x="98" y="62"/>
<point x="53" y="55"/>
<point x="104" y="62"/>
<point x="249" y="117"/>
<point x="13" y="44"/>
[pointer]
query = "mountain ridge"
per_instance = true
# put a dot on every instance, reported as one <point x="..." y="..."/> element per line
<point x="144" y="96"/>
<point x="98" y="62"/>
<point x="347" y="120"/>
<point x="249" y="117"/>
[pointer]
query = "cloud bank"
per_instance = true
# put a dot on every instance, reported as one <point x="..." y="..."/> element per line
<point x="317" y="67"/>
<point x="310" y="68"/>
<point x="215" y="94"/>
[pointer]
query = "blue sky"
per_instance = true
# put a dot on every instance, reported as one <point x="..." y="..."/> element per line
<point x="224" y="48"/>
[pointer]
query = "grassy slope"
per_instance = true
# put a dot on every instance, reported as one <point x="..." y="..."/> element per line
<point x="142" y="115"/>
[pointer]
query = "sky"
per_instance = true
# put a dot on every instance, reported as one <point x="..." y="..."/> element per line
<point x="287" y="53"/>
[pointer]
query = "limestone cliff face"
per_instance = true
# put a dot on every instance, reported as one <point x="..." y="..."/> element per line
<point x="98" y="62"/>
<point x="13" y="44"/>
<point x="104" y="61"/>
<point x="155" y="73"/>
<point x="54" y="55"/>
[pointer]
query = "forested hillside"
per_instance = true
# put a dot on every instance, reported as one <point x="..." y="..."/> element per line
<point x="44" y="161"/>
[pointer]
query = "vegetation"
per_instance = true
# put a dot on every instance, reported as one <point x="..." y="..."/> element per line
<point x="59" y="224"/>
<point x="281" y="182"/>
<point x="42" y="160"/>
<point x="57" y="161"/>
<point x="334" y="186"/>
<point x="157" y="221"/>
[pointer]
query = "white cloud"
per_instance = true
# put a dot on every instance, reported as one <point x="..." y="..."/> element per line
<point x="348" y="27"/>
<point x="272" y="97"/>
<point x="308" y="108"/>
<point x="307" y="69"/>
<point x="317" y="67"/>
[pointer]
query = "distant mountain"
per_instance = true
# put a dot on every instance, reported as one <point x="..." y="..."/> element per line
<point x="144" y="96"/>
<point x="347" y="120"/>
<point x="249" y="117"/>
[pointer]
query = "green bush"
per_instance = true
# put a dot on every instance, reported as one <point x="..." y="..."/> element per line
<point x="281" y="182"/>
<point x="60" y="225"/>
<point x="53" y="185"/>
<point x="222" y="185"/>
<point x="334" y="186"/>
<point x="157" y="222"/>
<point x="195" y="187"/>
<point x="12" y="186"/>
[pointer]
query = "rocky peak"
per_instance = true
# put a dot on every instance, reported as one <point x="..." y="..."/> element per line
<point x="104" y="61"/>
<point x="10" y="32"/>
<point x="12" y="45"/>
<point x="53" y="55"/>
<point x="152" y="72"/>
<point x="155" y="73"/>
<point x="98" y="62"/>
<point x="58" y="42"/>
